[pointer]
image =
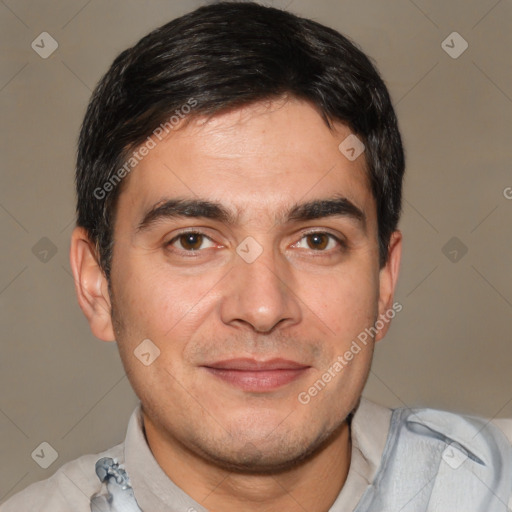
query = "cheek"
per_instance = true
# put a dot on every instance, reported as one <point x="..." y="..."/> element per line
<point x="346" y="299"/>
<point x="158" y="303"/>
<point x="346" y="302"/>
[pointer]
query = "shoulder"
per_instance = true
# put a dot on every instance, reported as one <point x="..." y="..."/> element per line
<point x="505" y="425"/>
<point x="488" y="441"/>
<point x="69" y="489"/>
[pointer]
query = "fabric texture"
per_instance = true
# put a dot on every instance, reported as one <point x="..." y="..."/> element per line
<point x="380" y="436"/>
<point x="436" y="461"/>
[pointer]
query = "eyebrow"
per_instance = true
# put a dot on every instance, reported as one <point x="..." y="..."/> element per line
<point x="337" y="206"/>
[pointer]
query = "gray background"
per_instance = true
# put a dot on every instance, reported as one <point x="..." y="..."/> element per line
<point x="450" y="347"/>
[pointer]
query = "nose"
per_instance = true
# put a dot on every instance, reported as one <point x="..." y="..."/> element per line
<point x="260" y="294"/>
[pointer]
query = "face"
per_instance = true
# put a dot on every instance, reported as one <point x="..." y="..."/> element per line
<point x="251" y="287"/>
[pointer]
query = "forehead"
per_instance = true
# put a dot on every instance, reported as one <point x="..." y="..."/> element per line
<point x="256" y="160"/>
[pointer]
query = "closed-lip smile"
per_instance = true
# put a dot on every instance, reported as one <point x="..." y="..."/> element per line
<point x="257" y="376"/>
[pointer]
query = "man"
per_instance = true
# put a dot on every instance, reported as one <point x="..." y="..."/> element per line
<point x="239" y="183"/>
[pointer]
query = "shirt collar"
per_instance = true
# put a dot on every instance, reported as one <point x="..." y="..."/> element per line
<point x="153" y="489"/>
<point x="156" y="492"/>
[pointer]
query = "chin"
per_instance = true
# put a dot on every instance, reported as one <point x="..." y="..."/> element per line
<point x="264" y="458"/>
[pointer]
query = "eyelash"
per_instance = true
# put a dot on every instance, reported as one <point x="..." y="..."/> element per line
<point x="194" y="253"/>
<point x="342" y="244"/>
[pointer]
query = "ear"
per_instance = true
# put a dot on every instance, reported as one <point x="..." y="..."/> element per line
<point x="388" y="277"/>
<point x="91" y="285"/>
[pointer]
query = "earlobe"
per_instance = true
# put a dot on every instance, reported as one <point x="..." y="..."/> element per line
<point x="388" y="279"/>
<point x="91" y="285"/>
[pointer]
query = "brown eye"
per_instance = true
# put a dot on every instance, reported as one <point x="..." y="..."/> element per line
<point x="191" y="241"/>
<point x="317" y="241"/>
<point x="320" y="241"/>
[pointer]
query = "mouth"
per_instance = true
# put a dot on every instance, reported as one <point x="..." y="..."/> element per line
<point x="257" y="376"/>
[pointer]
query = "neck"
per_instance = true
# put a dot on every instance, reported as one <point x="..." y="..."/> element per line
<point x="312" y="485"/>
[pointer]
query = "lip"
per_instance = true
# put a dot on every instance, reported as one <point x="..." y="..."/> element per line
<point x="257" y="376"/>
